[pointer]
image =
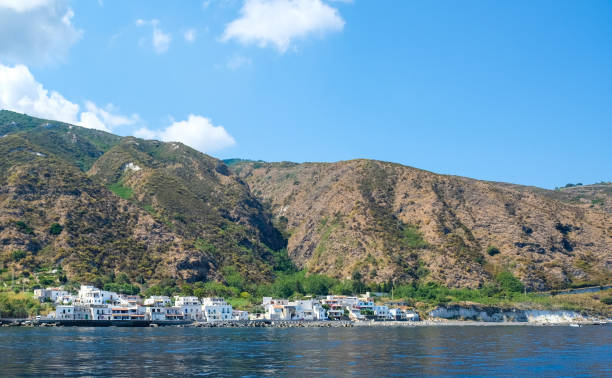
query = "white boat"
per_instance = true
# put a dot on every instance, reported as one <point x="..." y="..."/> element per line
<point x="575" y="325"/>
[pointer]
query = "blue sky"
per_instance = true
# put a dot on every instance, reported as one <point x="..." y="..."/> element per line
<point x="516" y="91"/>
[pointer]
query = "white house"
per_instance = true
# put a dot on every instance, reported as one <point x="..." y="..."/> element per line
<point x="64" y="312"/>
<point x="72" y="312"/>
<point x="355" y="313"/>
<point x="309" y="309"/>
<point x="174" y="313"/>
<point x="365" y="305"/>
<point x="240" y="315"/>
<point x="158" y="300"/>
<point x="381" y="312"/>
<point x="216" y="309"/>
<point x="89" y="295"/>
<point x="127" y="313"/>
<point x="155" y="312"/>
<point x="129" y="300"/>
<point x="277" y="309"/>
<point x="50" y="293"/>
<point x="190" y="307"/>
<point x="66" y="299"/>
<point x="339" y="304"/>
<point x="397" y="314"/>
<point x="102" y="312"/>
<point x="412" y="316"/>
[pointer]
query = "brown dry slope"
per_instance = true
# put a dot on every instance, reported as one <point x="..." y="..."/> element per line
<point x="392" y="222"/>
<point x="97" y="205"/>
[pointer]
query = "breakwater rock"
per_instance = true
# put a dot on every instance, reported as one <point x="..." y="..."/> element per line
<point x="274" y="324"/>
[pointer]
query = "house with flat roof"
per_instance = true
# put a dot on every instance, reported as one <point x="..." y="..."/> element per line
<point x="216" y="309"/>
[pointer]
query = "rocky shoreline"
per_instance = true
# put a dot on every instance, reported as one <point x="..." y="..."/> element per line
<point x="321" y="324"/>
<point x="275" y="324"/>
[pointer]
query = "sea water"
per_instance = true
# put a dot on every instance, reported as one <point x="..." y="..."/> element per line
<point x="363" y="351"/>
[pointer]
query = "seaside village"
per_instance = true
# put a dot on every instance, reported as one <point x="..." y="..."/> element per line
<point x="91" y="303"/>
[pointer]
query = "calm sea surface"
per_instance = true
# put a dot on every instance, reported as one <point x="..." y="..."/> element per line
<point x="461" y="350"/>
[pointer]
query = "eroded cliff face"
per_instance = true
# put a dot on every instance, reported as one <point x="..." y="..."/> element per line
<point x="496" y="314"/>
<point x="391" y="222"/>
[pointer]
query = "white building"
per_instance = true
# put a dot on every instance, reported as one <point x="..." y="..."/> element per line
<point x="412" y="316"/>
<point x="276" y="309"/>
<point x="355" y="313"/>
<point x="64" y="312"/>
<point x="174" y="313"/>
<point x="191" y="307"/>
<point x="240" y="315"/>
<point x="129" y="300"/>
<point x="309" y="309"/>
<point x="50" y="293"/>
<point x="102" y="312"/>
<point x="367" y="305"/>
<point x="158" y="300"/>
<point x="382" y="312"/>
<point x="282" y="309"/>
<point x="72" y="312"/>
<point x="397" y="314"/>
<point x="127" y="313"/>
<point x="216" y="309"/>
<point x="155" y="313"/>
<point x="66" y="299"/>
<point x="89" y="295"/>
<point x="339" y="305"/>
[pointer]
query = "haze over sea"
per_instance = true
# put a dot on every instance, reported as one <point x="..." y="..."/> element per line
<point x="451" y="350"/>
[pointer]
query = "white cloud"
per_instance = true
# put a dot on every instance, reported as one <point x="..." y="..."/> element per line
<point x="104" y="118"/>
<point x="36" y="31"/>
<point x="280" y="22"/>
<point x="20" y="92"/>
<point x="145" y="133"/>
<point x="190" y="35"/>
<point x="237" y="62"/>
<point x="159" y="39"/>
<point x="23" y="5"/>
<point x="197" y="132"/>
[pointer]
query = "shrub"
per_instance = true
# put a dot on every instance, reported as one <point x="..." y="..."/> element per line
<point x="56" y="229"/>
<point x="508" y="283"/>
<point x="607" y="301"/>
<point x="19" y="254"/>
<point x="24" y="227"/>
<point x="492" y="251"/>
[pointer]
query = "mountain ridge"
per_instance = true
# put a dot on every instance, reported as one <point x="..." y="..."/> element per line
<point x="443" y="208"/>
<point x="162" y="211"/>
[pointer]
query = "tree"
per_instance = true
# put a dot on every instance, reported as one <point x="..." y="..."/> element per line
<point x="358" y="286"/>
<point x="56" y="229"/>
<point x="508" y="283"/>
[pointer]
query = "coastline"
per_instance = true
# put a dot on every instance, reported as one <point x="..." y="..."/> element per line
<point x="296" y="324"/>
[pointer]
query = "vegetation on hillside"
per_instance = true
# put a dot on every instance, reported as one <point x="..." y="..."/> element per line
<point x="146" y="216"/>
